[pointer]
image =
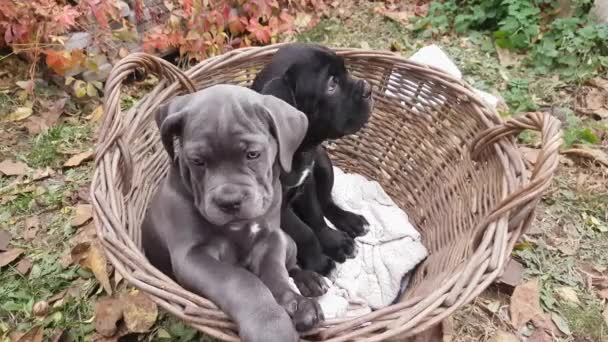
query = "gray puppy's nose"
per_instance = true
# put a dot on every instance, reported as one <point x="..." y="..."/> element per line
<point x="228" y="200"/>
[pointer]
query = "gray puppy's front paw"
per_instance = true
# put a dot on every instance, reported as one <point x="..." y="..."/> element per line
<point x="273" y="326"/>
<point x="305" y="312"/>
<point x="308" y="315"/>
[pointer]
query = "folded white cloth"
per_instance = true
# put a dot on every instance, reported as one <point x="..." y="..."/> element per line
<point x="392" y="248"/>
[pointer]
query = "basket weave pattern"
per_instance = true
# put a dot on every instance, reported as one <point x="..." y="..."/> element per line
<point x="444" y="157"/>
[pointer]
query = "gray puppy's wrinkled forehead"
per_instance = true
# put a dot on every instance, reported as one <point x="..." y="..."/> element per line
<point x="223" y="107"/>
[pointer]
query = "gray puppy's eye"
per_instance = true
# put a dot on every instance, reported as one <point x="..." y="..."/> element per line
<point x="332" y="85"/>
<point x="198" y="161"/>
<point x="251" y="155"/>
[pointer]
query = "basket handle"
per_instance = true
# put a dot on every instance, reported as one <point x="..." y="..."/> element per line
<point x="112" y="129"/>
<point x="544" y="167"/>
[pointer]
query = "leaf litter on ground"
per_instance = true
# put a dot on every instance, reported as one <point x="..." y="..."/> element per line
<point x="82" y="214"/>
<point x="13" y="168"/>
<point x="10" y="256"/>
<point x="135" y="308"/>
<point x="79" y="158"/>
<point x="91" y="256"/>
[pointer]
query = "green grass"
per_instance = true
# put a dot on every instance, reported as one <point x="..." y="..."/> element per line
<point x="47" y="147"/>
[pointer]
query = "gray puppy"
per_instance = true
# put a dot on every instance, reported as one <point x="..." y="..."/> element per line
<point x="213" y="224"/>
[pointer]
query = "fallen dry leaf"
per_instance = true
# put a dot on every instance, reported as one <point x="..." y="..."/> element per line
<point x="40" y="308"/>
<point x="21" y="113"/>
<point x="592" y="101"/>
<point x="568" y="294"/>
<point x="35" y="125"/>
<point x="10" y="256"/>
<point x="589" y="153"/>
<point x="603" y="294"/>
<point x="79" y="158"/>
<point x="525" y="304"/>
<point x="512" y="274"/>
<point x="11" y="168"/>
<point x="108" y="312"/>
<point x="42" y="174"/>
<point x="5" y="238"/>
<point x="561" y="323"/>
<point x="503" y="336"/>
<point x="82" y="214"/>
<point x="23" y="266"/>
<point x="34" y="335"/>
<point x="140" y="312"/>
<point x="54" y="111"/>
<point x="86" y="233"/>
<point x="96" y="114"/>
<point x="90" y="255"/>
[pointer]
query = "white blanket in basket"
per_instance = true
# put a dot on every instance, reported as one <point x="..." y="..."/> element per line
<point x="385" y="255"/>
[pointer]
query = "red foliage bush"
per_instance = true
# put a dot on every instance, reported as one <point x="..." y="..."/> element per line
<point x="197" y="28"/>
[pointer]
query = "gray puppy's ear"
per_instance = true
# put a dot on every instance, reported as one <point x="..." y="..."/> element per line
<point x="169" y="124"/>
<point x="170" y="128"/>
<point x="169" y="118"/>
<point x="289" y="126"/>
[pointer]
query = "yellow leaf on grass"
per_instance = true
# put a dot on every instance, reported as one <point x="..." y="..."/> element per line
<point x="80" y="88"/>
<point x="19" y="114"/>
<point x="96" y="114"/>
<point x="140" y="312"/>
<point x="91" y="256"/>
<point x="568" y="294"/>
<point x="91" y="90"/>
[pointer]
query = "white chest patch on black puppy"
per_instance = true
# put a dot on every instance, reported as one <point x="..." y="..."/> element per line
<point x="305" y="173"/>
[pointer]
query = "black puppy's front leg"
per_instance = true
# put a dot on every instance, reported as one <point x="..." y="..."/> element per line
<point x="336" y="244"/>
<point x="269" y="261"/>
<point x="235" y="290"/>
<point x="309" y="252"/>
<point x="354" y="225"/>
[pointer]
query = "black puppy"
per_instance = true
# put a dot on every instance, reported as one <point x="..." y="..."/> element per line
<point x="314" y="79"/>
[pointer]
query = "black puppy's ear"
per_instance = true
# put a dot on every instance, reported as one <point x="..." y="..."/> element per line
<point x="282" y="87"/>
<point x="289" y="125"/>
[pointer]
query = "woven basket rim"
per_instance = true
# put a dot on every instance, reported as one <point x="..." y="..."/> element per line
<point x="500" y="228"/>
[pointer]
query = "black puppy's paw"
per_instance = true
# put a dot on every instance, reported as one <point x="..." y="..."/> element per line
<point x="319" y="263"/>
<point x="337" y="244"/>
<point x="310" y="283"/>
<point x="354" y="225"/>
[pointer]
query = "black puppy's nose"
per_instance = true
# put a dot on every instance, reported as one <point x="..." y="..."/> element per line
<point x="367" y="89"/>
<point x="229" y="203"/>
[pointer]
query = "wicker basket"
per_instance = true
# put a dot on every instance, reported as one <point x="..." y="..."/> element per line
<point x="445" y="157"/>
